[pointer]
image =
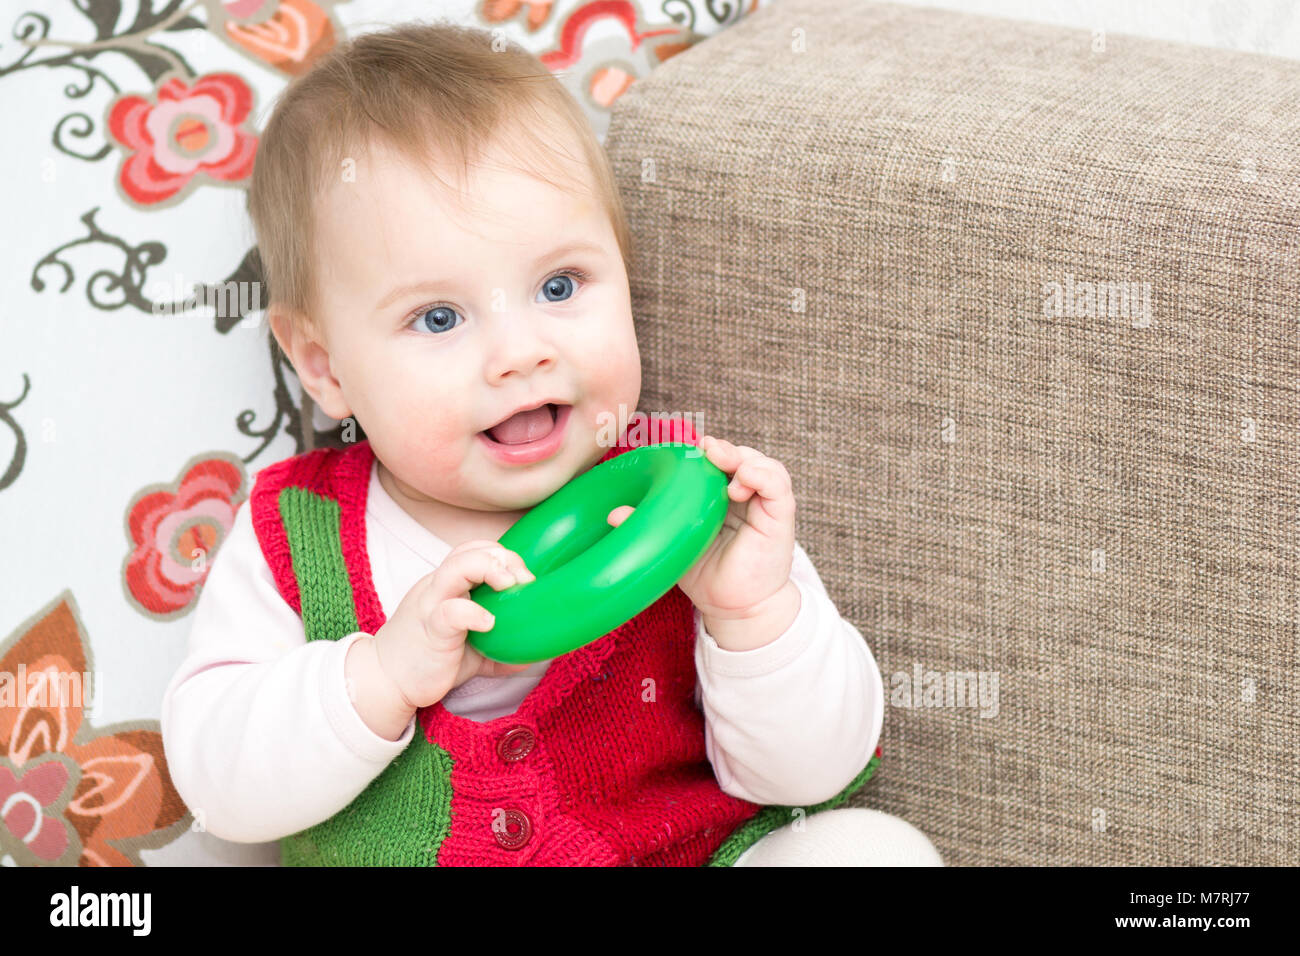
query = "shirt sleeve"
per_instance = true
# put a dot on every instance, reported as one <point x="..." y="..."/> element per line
<point x="793" y="722"/>
<point x="260" y="736"/>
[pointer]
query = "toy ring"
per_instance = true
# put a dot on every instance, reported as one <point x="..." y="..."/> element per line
<point x="592" y="577"/>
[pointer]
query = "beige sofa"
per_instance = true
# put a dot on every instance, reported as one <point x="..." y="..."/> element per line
<point x="1017" y="307"/>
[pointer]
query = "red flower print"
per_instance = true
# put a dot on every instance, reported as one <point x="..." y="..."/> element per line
<point x="175" y="532"/>
<point x="573" y="33"/>
<point x="23" y="801"/>
<point x="189" y="130"/>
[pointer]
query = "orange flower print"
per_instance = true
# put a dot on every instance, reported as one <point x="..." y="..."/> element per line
<point x="72" y="794"/>
<point x="176" y="531"/>
<point x="292" y="39"/>
<point x="498" y="11"/>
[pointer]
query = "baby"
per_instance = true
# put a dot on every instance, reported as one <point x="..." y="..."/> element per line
<point x="447" y="259"/>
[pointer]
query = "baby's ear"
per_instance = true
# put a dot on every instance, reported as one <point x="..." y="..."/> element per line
<point x="310" y="360"/>
<point x="278" y="318"/>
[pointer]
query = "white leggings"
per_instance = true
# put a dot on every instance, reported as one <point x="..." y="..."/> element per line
<point x="846" y="836"/>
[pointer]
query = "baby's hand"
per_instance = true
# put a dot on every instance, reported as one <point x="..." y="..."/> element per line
<point x="749" y="562"/>
<point x="422" y="648"/>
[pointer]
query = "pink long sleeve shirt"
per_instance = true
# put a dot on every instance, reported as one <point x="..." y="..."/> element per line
<point x="262" y="740"/>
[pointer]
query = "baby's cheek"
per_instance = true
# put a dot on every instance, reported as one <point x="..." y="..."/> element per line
<point x="614" y="380"/>
<point x="422" y="445"/>
<point x="438" y="448"/>
<point x="612" y="357"/>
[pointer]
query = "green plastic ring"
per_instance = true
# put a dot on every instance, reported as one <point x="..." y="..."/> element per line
<point x="592" y="577"/>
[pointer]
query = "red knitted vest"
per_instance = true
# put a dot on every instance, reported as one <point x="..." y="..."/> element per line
<point x="603" y="763"/>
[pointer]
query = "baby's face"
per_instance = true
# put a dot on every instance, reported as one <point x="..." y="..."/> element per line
<point x="443" y="318"/>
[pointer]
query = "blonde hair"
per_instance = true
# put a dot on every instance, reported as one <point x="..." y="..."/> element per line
<point x="428" y="90"/>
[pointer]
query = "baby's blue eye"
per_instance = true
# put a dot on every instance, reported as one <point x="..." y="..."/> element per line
<point x="561" y="285"/>
<point x="439" y="319"/>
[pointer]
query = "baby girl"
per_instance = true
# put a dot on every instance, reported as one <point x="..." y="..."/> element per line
<point x="448" y="259"/>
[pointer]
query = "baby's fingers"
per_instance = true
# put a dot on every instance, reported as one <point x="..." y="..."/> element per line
<point x="493" y="565"/>
<point x="457" y="615"/>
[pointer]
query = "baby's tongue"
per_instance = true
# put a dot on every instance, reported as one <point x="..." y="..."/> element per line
<point x="525" y="426"/>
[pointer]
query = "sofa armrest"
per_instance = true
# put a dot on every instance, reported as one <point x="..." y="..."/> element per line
<point x="1016" y="305"/>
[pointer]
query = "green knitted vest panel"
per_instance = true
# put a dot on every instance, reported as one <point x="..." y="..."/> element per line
<point x="775" y="816"/>
<point x="403" y="816"/>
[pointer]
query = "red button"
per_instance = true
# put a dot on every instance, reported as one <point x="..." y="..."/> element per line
<point x="515" y="744"/>
<point x="513" y="831"/>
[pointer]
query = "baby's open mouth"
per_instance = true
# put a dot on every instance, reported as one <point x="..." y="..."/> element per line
<point x="523" y="427"/>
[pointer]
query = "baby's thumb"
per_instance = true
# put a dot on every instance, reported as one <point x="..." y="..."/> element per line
<point x="620" y="514"/>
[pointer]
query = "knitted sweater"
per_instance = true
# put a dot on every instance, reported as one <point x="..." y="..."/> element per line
<point x="590" y="767"/>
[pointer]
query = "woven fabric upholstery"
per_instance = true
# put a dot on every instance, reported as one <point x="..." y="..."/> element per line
<point x="848" y="220"/>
